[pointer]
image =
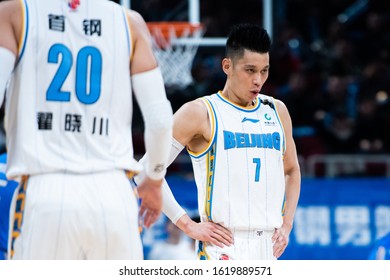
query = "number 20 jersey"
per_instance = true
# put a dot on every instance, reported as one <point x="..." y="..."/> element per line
<point x="240" y="175"/>
<point x="69" y="102"/>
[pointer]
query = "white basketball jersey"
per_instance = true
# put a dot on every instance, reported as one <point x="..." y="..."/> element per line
<point x="69" y="103"/>
<point x="240" y="175"/>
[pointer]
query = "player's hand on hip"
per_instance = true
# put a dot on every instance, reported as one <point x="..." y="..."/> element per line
<point x="213" y="233"/>
<point x="280" y="239"/>
<point x="150" y="193"/>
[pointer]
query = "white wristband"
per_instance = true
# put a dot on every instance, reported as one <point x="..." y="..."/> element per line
<point x="170" y="207"/>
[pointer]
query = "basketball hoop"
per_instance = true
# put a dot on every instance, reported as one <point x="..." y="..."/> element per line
<point x="174" y="56"/>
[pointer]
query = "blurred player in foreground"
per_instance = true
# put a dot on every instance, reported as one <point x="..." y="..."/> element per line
<point x="73" y="66"/>
<point x="244" y="159"/>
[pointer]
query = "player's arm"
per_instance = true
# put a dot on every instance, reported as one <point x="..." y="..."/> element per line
<point x="191" y="125"/>
<point x="191" y="129"/>
<point x="149" y="90"/>
<point x="10" y="28"/>
<point x="292" y="175"/>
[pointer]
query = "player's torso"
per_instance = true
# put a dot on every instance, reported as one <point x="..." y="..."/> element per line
<point x="240" y="178"/>
<point x="69" y="103"/>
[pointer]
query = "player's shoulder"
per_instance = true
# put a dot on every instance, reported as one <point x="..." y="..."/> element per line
<point x="135" y="17"/>
<point x="194" y="111"/>
<point x="195" y="107"/>
<point x="134" y="14"/>
<point x="10" y="10"/>
<point x="137" y="23"/>
<point x="271" y="99"/>
<point x="9" y="5"/>
<point x="280" y="104"/>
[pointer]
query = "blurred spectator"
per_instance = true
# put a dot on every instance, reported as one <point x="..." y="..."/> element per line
<point x="342" y="58"/>
<point x="374" y="108"/>
<point x="372" y="131"/>
<point x="177" y="246"/>
<point x="336" y="115"/>
<point x="296" y="94"/>
<point x="374" y="37"/>
<point x="374" y="77"/>
<point x="288" y="54"/>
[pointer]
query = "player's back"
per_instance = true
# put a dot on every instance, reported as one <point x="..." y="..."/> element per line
<point x="69" y="103"/>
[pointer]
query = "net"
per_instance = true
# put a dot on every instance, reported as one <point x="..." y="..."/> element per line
<point x="175" y="54"/>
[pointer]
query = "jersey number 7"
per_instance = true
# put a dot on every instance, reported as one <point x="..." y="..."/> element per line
<point x="257" y="161"/>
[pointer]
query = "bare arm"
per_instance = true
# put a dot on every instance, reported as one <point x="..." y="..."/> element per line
<point x="192" y="129"/>
<point x="293" y="183"/>
<point x="143" y="58"/>
<point x="10" y="29"/>
<point x="191" y="126"/>
<point x="10" y="25"/>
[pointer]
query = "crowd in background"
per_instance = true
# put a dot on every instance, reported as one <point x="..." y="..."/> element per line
<point x="334" y="77"/>
<point x="330" y="64"/>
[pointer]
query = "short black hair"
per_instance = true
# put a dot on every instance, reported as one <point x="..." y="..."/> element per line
<point x="247" y="36"/>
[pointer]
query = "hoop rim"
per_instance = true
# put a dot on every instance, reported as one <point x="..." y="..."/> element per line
<point x="165" y="28"/>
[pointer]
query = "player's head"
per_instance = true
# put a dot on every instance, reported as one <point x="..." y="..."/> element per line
<point x="247" y="36"/>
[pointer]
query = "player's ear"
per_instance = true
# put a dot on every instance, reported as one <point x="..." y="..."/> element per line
<point x="226" y="65"/>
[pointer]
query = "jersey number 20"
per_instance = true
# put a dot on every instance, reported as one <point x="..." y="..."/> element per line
<point x="89" y="59"/>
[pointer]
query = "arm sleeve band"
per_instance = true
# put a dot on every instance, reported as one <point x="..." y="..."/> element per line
<point x="170" y="207"/>
<point x="7" y="62"/>
<point x="156" y="111"/>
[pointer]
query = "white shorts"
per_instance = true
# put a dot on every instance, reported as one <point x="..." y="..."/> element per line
<point x="76" y="216"/>
<point x="248" y="245"/>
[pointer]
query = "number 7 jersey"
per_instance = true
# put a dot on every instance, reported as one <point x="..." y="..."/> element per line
<point x="69" y="101"/>
<point x="240" y="175"/>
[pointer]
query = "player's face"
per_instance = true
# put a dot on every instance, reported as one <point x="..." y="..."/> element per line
<point x="247" y="76"/>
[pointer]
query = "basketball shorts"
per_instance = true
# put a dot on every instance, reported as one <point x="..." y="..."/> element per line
<point x="76" y="216"/>
<point x="248" y="245"/>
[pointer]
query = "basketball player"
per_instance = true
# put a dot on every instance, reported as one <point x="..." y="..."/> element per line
<point x="72" y="68"/>
<point x="244" y="159"/>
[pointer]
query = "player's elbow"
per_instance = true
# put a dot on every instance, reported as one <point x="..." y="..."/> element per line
<point x="292" y="171"/>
